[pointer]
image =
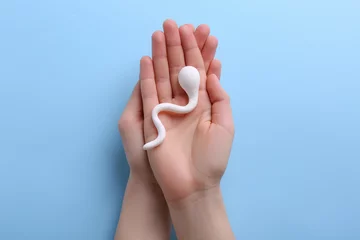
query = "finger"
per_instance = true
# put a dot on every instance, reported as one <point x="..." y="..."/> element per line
<point x="209" y="50"/>
<point x="192" y="52"/>
<point x="220" y="104"/>
<point x="201" y="34"/>
<point x="191" y="26"/>
<point x="215" y="68"/>
<point x="148" y="86"/>
<point x="175" y="54"/>
<point x="161" y="67"/>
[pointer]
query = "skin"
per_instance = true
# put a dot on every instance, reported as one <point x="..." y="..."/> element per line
<point x="145" y="214"/>
<point x="190" y="163"/>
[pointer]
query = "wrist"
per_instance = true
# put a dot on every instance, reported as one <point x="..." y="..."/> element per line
<point x="202" y="215"/>
<point x="145" y="183"/>
<point x="144" y="213"/>
<point x="206" y="198"/>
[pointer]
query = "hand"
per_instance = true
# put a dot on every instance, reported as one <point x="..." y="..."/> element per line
<point x="131" y="123"/>
<point x="195" y="153"/>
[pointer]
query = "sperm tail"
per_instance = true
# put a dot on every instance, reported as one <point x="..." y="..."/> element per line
<point x="158" y="124"/>
<point x="159" y="127"/>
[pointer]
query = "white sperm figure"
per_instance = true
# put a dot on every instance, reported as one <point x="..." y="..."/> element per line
<point x="189" y="80"/>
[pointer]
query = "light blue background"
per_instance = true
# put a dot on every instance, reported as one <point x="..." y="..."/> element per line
<point x="292" y="69"/>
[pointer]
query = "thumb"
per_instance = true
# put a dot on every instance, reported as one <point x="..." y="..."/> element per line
<point x="134" y="105"/>
<point x="133" y="110"/>
<point x="221" y="112"/>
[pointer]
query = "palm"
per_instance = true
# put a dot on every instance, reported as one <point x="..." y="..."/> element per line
<point x="185" y="168"/>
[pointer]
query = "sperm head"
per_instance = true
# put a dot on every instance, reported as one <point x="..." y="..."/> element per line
<point x="189" y="79"/>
